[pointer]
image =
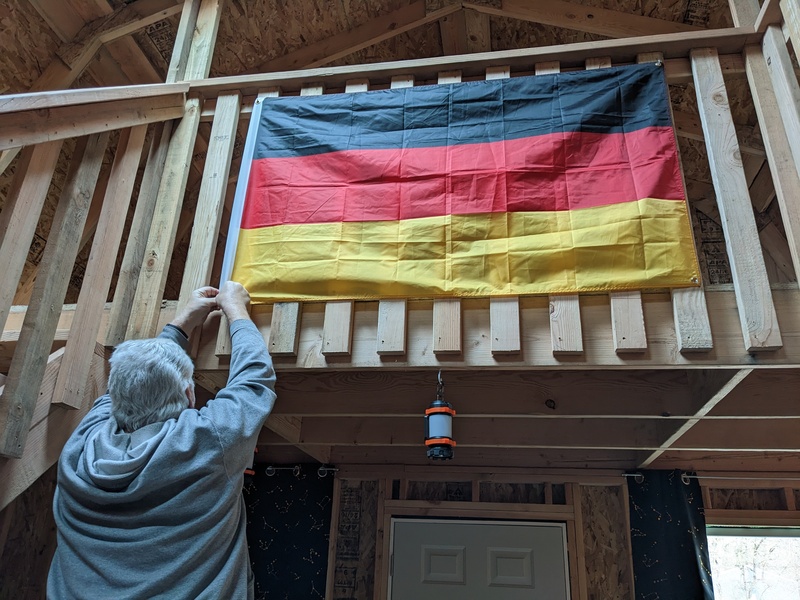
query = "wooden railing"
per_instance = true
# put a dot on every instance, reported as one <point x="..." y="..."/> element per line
<point x="752" y="325"/>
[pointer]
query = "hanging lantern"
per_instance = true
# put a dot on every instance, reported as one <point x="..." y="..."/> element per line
<point x="439" y="426"/>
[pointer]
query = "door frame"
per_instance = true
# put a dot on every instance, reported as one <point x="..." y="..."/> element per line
<point x="559" y="513"/>
<point x="562" y="525"/>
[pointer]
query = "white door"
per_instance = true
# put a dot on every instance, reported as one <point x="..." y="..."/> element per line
<point x="478" y="560"/>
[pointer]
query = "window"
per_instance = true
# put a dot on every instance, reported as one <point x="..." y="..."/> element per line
<point x="755" y="563"/>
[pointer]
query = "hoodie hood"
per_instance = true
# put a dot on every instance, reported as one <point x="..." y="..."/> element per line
<point x="112" y="459"/>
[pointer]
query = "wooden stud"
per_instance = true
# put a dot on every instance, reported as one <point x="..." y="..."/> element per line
<point x="211" y="198"/>
<point x="333" y="536"/>
<point x="791" y="16"/>
<point x="447" y="311"/>
<point x="779" y="149"/>
<point x="382" y="533"/>
<point x="566" y="335"/>
<point x="447" y="326"/>
<point x="46" y="441"/>
<point x="183" y="41"/>
<point x="21" y="214"/>
<point x="504" y="312"/>
<point x="337" y="333"/>
<point x="580" y="545"/>
<point x="284" y="333"/>
<point x="756" y="309"/>
<point x="392" y="327"/>
<point x="689" y="309"/>
<point x="70" y="388"/>
<point x="137" y="236"/>
<point x="479" y="38"/>
<point x="627" y="315"/>
<point x="453" y="33"/>
<point x="791" y="503"/>
<point x="146" y="305"/>
<point x="152" y="277"/>
<point x="505" y="325"/>
<point x="392" y="314"/>
<point x="28" y="365"/>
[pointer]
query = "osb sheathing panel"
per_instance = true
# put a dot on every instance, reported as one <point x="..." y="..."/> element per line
<point x="606" y="545"/>
<point x="759" y="499"/>
<point x="27" y="45"/>
<point x="354" y="569"/>
<point x="28" y="540"/>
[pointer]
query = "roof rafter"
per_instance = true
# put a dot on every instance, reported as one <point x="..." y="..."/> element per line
<point x="589" y="19"/>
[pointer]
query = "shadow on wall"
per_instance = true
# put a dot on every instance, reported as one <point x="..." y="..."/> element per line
<point x="288" y="527"/>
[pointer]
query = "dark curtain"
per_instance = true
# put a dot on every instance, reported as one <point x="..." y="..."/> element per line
<point x="288" y="526"/>
<point x="668" y="538"/>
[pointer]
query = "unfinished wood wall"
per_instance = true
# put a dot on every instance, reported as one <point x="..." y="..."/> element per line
<point x="28" y="540"/>
<point x="596" y="516"/>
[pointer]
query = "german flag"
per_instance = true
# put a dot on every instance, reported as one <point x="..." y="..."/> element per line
<point x="550" y="184"/>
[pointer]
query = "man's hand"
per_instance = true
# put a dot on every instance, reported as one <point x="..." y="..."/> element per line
<point x="201" y="303"/>
<point x="233" y="299"/>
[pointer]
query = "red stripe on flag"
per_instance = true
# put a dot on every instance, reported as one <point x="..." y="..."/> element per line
<point x="561" y="171"/>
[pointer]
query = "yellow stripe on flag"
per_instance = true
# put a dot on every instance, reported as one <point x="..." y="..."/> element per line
<point x="647" y="243"/>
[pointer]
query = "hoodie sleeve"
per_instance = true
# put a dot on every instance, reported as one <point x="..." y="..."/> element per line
<point x="239" y="410"/>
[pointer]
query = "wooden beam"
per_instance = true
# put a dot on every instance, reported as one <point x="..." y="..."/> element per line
<point x="453" y="31"/>
<point x="777" y="110"/>
<point x="70" y="387"/>
<point x="791" y="15"/>
<point x="627" y="314"/>
<point x="20" y="215"/>
<point x="503" y="312"/>
<point x="23" y="128"/>
<point x="124" y="21"/>
<point x="770" y="14"/>
<point x="183" y="41"/>
<point x="729" y="352"/>
<point x="447" y="311"/>
<point x="377" y="30"/>
<point x="392" y="313"/>
<point x="727" y="41"/>
<point x="146" y="304"/>
<point x="710" y="388"/>
<point x="566" y="336"/>
<point x="210" y="200"/>
<point x="152" y="277"/>
<point x="479" y="38"/>
<point x="591" y="19"/>
<point x="27" y="368"/>
<point x="337" y="331"/>
<point x="779" y="151"/>
<point x="47" y="438"/>
<point x="756" y="309"/>
<point x="204" y="38"/>
<point x="508" y="432"/>
<point x="39" y="101"/>
<point x="138" y="234"/>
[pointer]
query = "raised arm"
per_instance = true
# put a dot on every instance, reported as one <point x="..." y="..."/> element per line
<point x="239" y="410"/>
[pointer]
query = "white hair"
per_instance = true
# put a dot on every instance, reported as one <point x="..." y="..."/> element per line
<point x="148" y="382"/>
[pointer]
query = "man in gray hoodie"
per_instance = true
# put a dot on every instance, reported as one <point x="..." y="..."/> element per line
<point x="149" y="502"/>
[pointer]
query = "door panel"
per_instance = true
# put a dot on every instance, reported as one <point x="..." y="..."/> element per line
<point x="478" y="560"/>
